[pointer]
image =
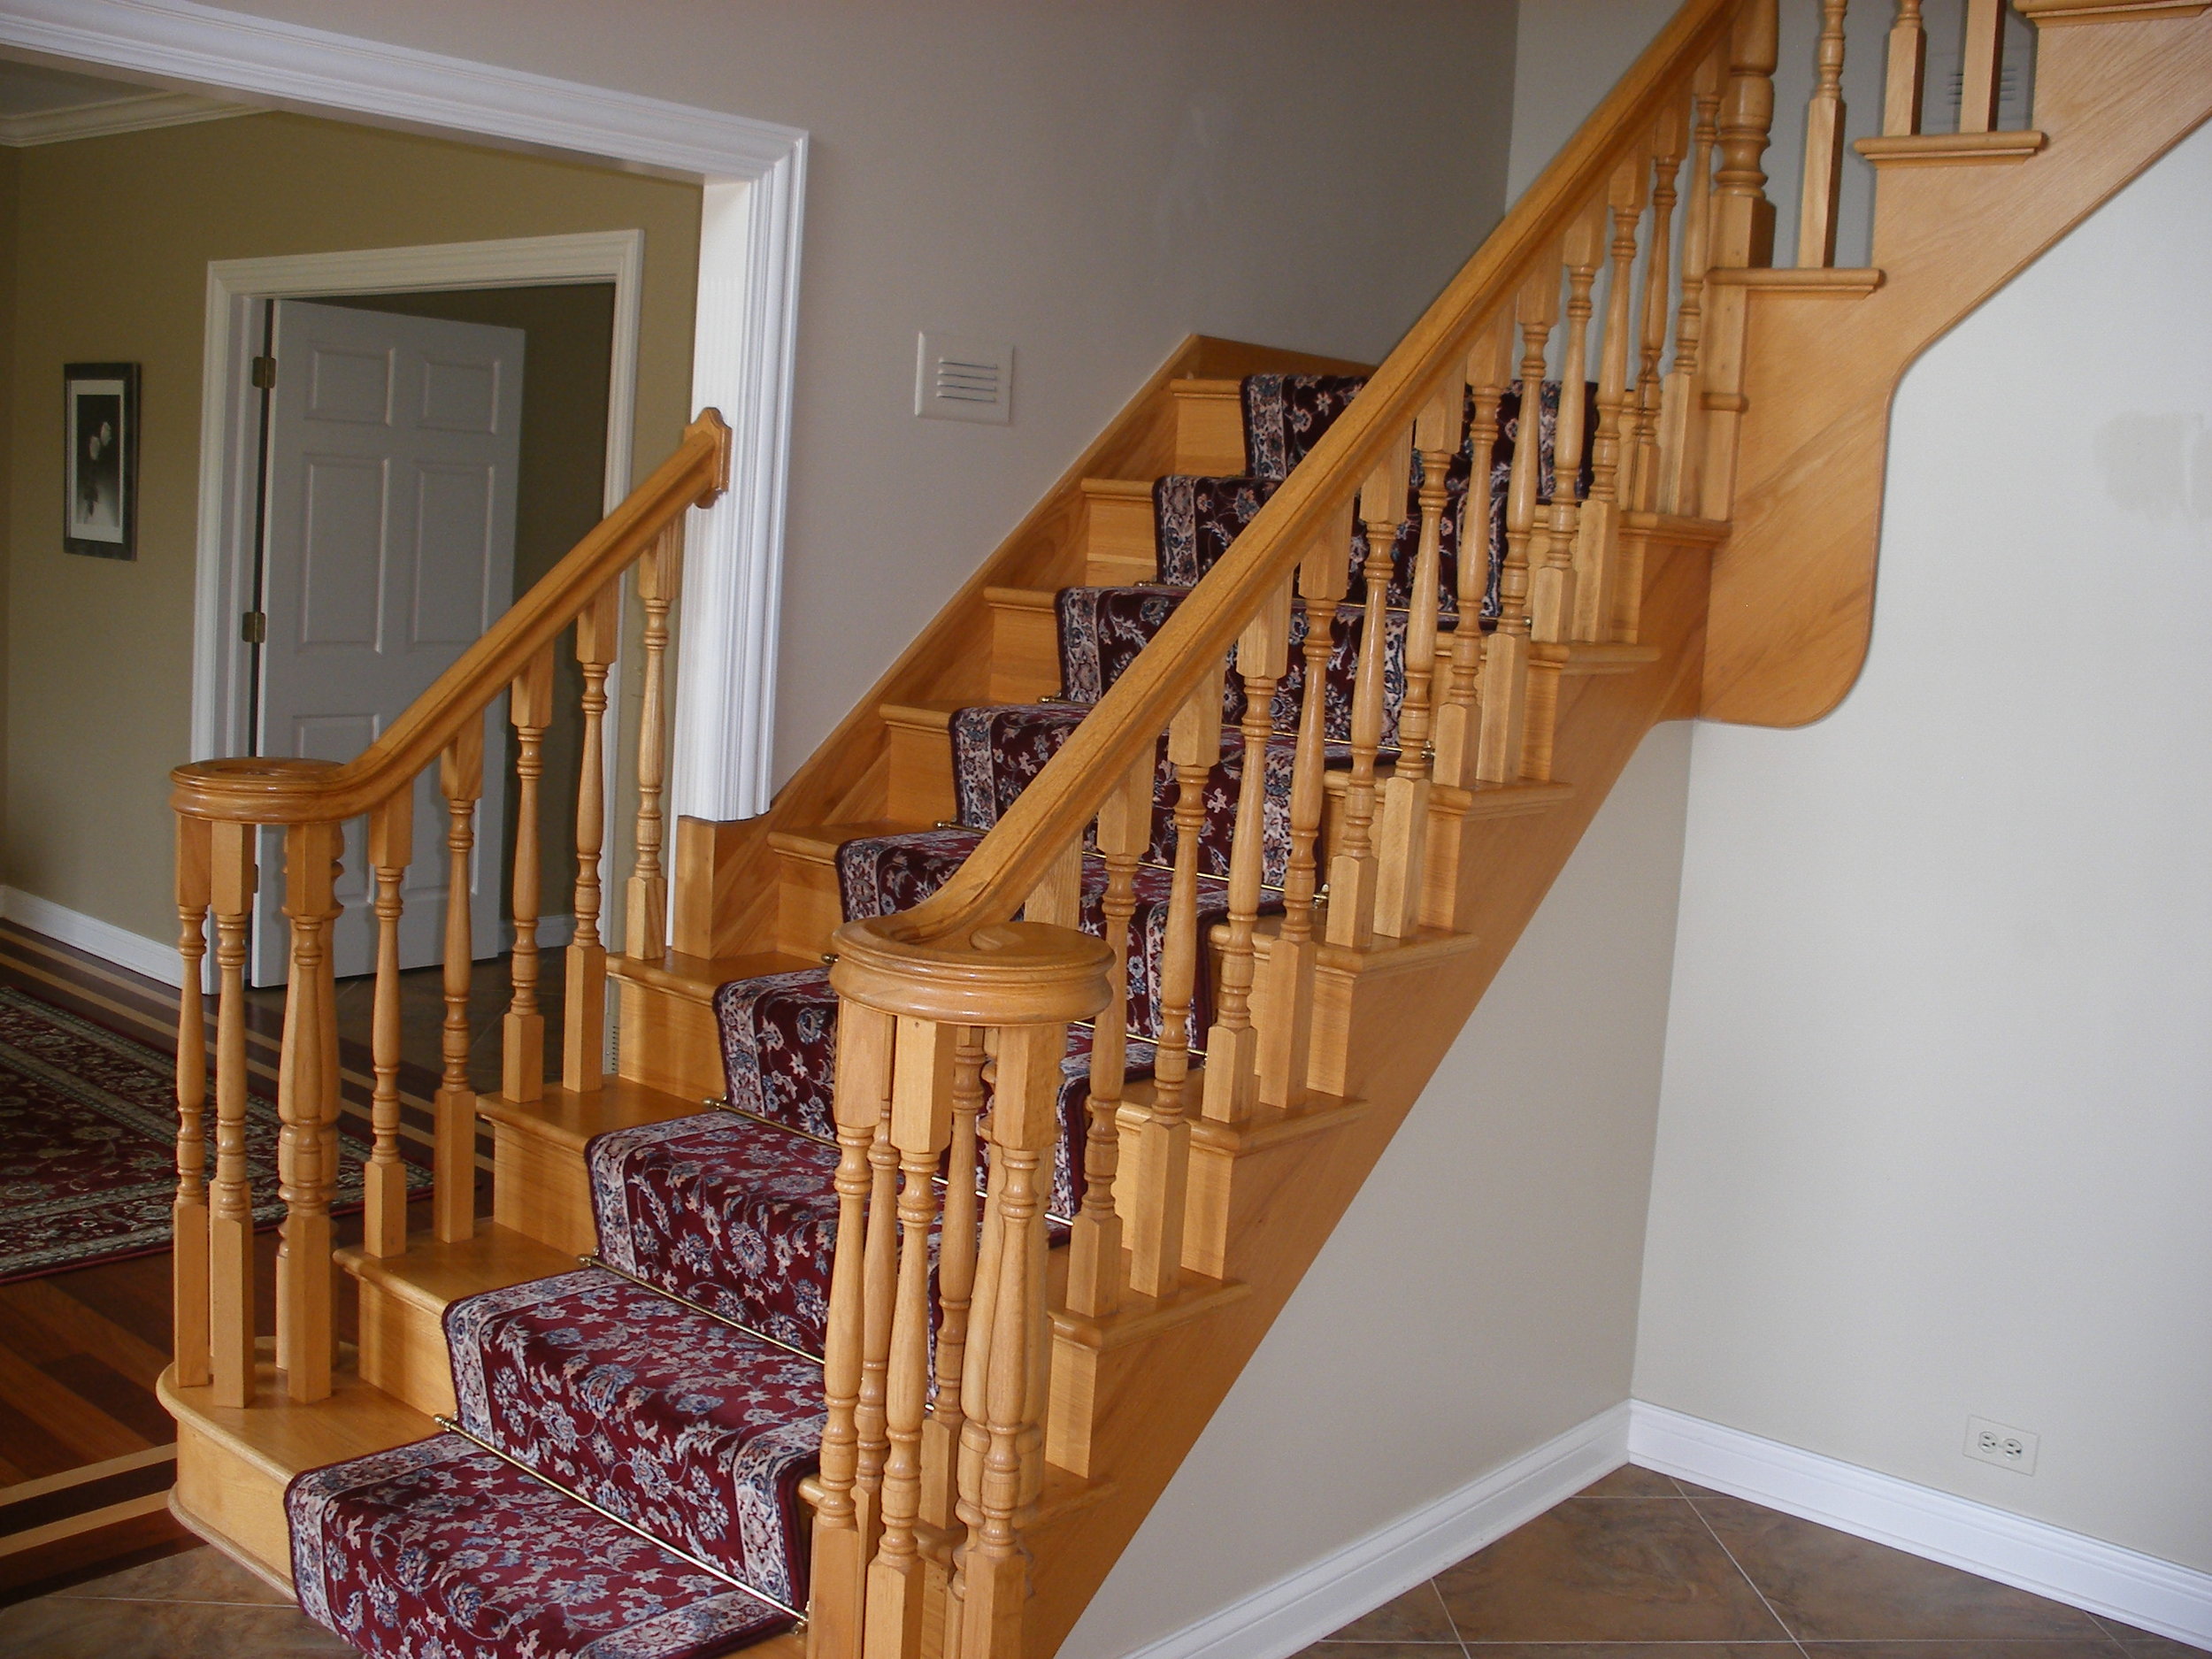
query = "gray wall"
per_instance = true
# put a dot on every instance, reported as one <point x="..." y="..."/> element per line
<point x="1937" y="1134"/>
<point x="1091" y="180"/>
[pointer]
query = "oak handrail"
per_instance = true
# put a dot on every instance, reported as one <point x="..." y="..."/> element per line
<point x="992" y="884"/>
<point x="268" y="791"/>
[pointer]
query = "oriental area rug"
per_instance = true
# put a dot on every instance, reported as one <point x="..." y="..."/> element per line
<point x="87" y="1144"/>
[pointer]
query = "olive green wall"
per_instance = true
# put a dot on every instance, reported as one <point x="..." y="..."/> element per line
<point x="114" y="236"/>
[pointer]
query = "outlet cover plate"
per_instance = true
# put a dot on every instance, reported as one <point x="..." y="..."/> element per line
<point x="2011" y="1448"/>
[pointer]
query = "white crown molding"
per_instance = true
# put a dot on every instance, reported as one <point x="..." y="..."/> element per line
<point x="1294" y="1611"/>
<point x="153" y="958"/>
<point x="2142" y="1590"/>
<point x="754" y="173"/>
<point x="114" y="115"/>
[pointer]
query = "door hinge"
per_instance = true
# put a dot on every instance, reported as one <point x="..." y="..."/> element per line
<point x="265" y="373"/>
<point x="253" y="627"/>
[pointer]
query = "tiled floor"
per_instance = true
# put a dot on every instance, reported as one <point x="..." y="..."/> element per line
<point x="1638" y="1567"/>
<point x="1642" y="1567"/>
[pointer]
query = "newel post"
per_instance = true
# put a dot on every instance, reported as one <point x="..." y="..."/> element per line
<point x="906" y="1012"/>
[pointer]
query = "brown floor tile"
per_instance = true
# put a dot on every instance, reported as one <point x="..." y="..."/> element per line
<point x="1628" y="1481"/>
<point x="2074" y="1647"/>
<point x="2141" y="1642"/>
<point x="1335" y="1649"/>
<point x="1691" y="1489"/>
<point x="1606" y="1570"/>
<point x="1830" y="1586"/>
<point x="197" y="1575"/>
<point x="55" y="1628"/>
<point x="1779" y="1648"/>
<point x="1417" y="1616"/>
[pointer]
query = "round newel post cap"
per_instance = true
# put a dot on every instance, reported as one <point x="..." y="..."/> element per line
<point x="1009" y="973"/>
<point x="247" y="788"/>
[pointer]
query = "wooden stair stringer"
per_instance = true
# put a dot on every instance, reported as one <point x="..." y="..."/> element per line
<point x="1401" y="1025"/>
<point x="1794" y="588"/>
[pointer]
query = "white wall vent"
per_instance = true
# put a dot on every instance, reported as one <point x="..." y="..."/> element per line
<point x="959" y="378"/>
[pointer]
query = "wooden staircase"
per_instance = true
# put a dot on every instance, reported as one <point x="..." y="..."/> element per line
<point x="1720" y="564"/>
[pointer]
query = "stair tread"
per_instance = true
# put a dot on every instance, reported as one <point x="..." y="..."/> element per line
<point x="698" y="978"/>
<point x="434" y="1273"/>
<point x="1124" y="487"/>
<point x="569" y="1119"/>
<point x="926" y="713"/>
<point x="281" y="1437"/>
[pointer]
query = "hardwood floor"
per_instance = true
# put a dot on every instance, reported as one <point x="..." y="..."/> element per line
<point x="86" y="1451"/>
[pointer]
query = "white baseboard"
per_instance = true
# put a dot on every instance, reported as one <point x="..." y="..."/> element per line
<point x="1295" y="1611"/>
<point x="2142" y="1590"/>
<point x="154" y="959"/>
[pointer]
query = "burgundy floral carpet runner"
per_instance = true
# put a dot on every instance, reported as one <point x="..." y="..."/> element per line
<point x="88" y="1143"/>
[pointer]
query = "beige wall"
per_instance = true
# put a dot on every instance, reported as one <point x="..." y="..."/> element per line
<point x="10" y="186"/>
<point x="1479" y="1296"/>
<point x="1089" y="180"/>
<point x="1937" y="1132"/>
<point x="115" y="238"/>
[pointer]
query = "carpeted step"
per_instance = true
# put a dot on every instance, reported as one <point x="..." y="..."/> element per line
<point x="779" y="1047"/>
<point x="688" y="1429"/>
<point x="881" y="875"/>
<point x="441" y="1548"/>
<point x="998" y="751"/>
<point x="1101" y="630"/>
<point x="735" y="1214"/>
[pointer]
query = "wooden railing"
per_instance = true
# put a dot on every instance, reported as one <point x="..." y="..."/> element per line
<point x="221" y="806"/>
<point x="959" y="974"/>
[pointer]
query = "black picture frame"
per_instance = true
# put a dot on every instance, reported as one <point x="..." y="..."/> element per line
<point x="99" y="510"/>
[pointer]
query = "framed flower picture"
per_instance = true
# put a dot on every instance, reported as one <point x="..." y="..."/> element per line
<point x="100" y="473"/>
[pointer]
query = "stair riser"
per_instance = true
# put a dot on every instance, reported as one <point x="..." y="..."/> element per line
<point x="233" y="1500"/>
<point x="807" y="907"/>
<point x="403" y="1350"/>
<point x="540" y="1190"/>
<point x="918" y="782"/>
<point x="1117" y="546"/>
<point x="669" y="1043"/>
<point x="1208" y="428"/>
<point x="1024" y="646"/>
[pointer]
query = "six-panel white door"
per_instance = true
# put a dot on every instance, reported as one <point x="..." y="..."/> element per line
<point x="390" y="549"/>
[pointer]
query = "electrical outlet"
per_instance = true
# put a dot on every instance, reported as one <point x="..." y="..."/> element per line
<point x="2007" y="1448"/>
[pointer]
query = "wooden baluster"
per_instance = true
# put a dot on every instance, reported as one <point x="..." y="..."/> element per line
<point x="1682" y="409"/>
<point x="922" y="1081"/>
<point x="845" y="1520"/>
<point x="584" y="1010"/>
<point x="305" y="1332"/>
<point x="975" y="1402"/>
<point x="1552" y="587"/>
<point x="956" y="1272"/>
<point x="1284" y="996"/>
<point x="391" y="849"/>
<point x="522" y="1033"/>
<point x="1163" y="1144"/>
<point x="1505" y="658"/>
<point x="1382" y="506"/>
<point x="1823" y="146"/>
<point x="188" y="1218"/>
<point x="1743" y="235"/>
<point x="232" y="880"/>
<point x="461" y="780"/>
<point x="1599" y="525"/>
<point x="1982" y="66"/>
<point x="1233" y="1042"/>
<point x="1907" y="70"/>
<point x="999" y="1490"/>
<point x="1458" y="722"/>
<point x="646" y="912"/>
<point x="1094" y="1265"/>
<point x="1403" y="842"/>
<point x="1639" y="488"/>
<point x="879" y="1291"/>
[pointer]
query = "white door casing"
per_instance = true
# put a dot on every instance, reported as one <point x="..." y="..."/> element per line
<point x="394" y="443"/>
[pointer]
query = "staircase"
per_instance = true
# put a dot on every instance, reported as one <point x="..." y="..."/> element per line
<point x="1047" y="1023"/>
